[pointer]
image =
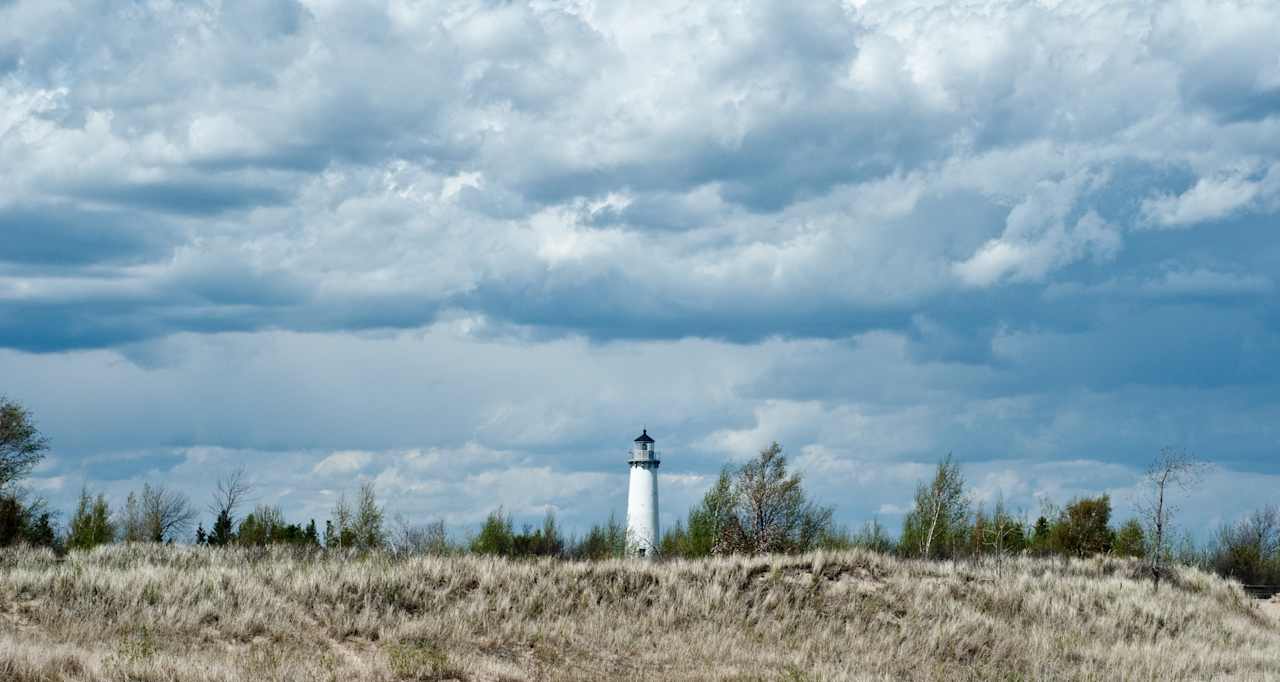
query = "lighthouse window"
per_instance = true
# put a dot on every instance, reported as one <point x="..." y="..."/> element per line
<point x="644" y="446"/>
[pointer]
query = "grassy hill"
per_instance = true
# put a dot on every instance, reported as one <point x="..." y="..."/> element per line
<point x="181" y="613"/>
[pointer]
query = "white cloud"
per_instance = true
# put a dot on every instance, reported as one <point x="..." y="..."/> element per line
<point x="426" y="244"/>
<point x="344" y="462"/>
<point x="1040" y="236"/>
<point x="1209" y="199"/>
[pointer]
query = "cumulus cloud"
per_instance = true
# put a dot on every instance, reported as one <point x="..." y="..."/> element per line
<point x="390" y="161"/>
<point x="380" y="237"/>
<point x="1211" y="198"/>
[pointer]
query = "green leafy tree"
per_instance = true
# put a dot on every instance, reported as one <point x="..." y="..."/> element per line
<point x="26" y="523"/>
<point x="935" y="527"/>
<point x="360" y="527"/>
<point x="21" y="448"/>
<point x="21" y="445"/>
<point x="602" y="542"/>
<point x="771" y="513"/>
<point x="13" y="520"/>
<point x="1130" y="540"/>
<point x="1040" y="536"/>
<point x="874" y="537"/>
<point x="252" y="531"/>
<point x="367" y="526"/>
<point x="999" y="533"/>
<point x="711" y="518"/>
<point x="551" y="542"/>
<point x="496" y="536"/>
<point x="91" y="525"/>
<point x="1082" y="530"/>
<point x="266" y="525"/>
<point x="673" y="542"/>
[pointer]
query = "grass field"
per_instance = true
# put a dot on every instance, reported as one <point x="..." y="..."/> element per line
<point x="182" y="613"/>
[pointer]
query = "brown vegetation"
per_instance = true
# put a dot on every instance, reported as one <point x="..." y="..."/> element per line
<point x="150" y="612"/>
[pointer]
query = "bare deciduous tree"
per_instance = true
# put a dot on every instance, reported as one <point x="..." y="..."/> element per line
<point x="232" y="491"/>
<point x="166" y="514"/>
<point x="1171" y="471"/>
<point x="360" y="527"/>
<point x="1262" y="529"/>
<point x="1249" y="549"/>
<point x="411" y="538"/>
<point x="998" y="534"/>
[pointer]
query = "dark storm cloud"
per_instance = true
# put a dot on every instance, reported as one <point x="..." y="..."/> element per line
<point x="195" y="197"/>
<point x="123" y="468"/>
<point x="58" y="234"/>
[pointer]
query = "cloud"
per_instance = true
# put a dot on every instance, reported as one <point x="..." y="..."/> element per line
<point x="460" y="424"/>
<point x="1211" y="198"/>
<point x="345" y="462"/>
<point x="725" y="183"/>
<point x="60" y="235"/>
<point x="1173" y="281"/>
<point x="443" y="241"/>
<point x="1039" y="236"/>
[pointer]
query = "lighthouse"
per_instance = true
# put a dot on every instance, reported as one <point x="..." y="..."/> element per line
<point x="642" y="499"/>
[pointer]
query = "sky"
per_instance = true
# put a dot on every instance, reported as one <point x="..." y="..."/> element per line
<point x="466" y="251"/>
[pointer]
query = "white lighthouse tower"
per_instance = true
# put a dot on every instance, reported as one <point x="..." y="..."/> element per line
<point x="642" y="499"/>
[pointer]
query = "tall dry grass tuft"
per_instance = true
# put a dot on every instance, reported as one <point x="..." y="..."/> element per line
<point x="146" y="612"/>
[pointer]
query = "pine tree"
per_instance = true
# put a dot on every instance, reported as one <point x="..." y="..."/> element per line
<point x="223" y="530"/>
<point x="40" y="533"/>
<point x="201" y="539"/>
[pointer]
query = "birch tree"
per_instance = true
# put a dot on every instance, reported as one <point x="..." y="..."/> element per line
<point x="761" y="508"/>
<point x="939" y="513"/>
<point x="1171" y="472"/>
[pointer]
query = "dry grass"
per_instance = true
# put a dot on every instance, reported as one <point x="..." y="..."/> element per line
<point x="180" y="613"/>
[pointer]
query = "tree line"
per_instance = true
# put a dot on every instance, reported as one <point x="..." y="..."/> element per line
<point x="759" y="507"/>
